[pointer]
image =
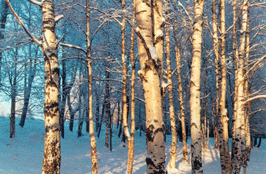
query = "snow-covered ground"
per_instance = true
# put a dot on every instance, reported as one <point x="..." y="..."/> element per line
<point x="23" y="154"/>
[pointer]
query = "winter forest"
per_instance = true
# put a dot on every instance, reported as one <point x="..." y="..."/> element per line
<point x="132" y="86"/>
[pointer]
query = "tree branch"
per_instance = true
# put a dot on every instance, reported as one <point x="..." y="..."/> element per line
<point x="36" y="2"/>
<point x="185" y="10"/>
<point x="58" y="18"/>
<point x="252" y="68"/>
<point x="23" y="26"/>
<point x="253" y="98"/>
<point x="73" y="46"/>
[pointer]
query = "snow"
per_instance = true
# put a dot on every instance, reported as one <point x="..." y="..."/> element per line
<point x="23" y="154"/>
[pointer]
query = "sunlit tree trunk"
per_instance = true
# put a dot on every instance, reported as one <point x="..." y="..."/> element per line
<point x="235" y="59"/>
<point x="223" y="122"/>
<point x="148" y="22"/>
<point x="133" y="76"/>
<point x="195" y="108"/>
<point x="217" y="74"/>
<point x="94" y="161"/>
<point x="170" y="92"/>
<point x="124" y="71"/>
<point x="246" y="139"/>
<point x="240" y="113"/>
<point x="52" y="152"/>
<point x="247" y="93"/>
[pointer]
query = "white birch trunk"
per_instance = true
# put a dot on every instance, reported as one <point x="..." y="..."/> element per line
<point x="195" y="108"/>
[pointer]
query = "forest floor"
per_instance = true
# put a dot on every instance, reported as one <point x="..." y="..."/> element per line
<point x="23" y="154"/>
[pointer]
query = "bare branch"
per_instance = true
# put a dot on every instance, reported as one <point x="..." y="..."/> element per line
<point x="36" y="2"/>
<point x="252" y="68"/>
<point x="254" y="98"/>
<point x="58" y="18"/>
<point x="72" y="46"/>
<point x="23" y="26"/>
<point x="186" y="12"/>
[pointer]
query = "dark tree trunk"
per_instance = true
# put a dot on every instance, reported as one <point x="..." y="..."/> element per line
<point x="4" y="13"/>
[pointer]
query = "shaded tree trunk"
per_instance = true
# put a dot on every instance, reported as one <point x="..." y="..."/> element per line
<point x="13" y="83"/>
<point x="181" y="100"/>
<point x="4" y="13"/>
<point x="27" y="91"/>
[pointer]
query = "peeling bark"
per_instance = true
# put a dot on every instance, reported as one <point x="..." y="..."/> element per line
<point x="148" y="18"/>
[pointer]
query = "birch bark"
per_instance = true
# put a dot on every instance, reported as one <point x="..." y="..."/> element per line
<point x="180" y="91"/>
<point x="94" y="161"/>
<point x="150" y="74"/>
<point x="195" y="108"/>
<point x="52" y="152"/>
<point x="133" y="77"/>
<point x="170" y="92"/>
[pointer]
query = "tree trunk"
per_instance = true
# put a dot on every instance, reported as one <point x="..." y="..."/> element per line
<point x="224" y="133"/>
<point x="124" y="71"/>
<point x="81" y="117"/>
<point x="52" y="152"/>
<point x="149" y="30"/>
<point x="235" y="59"/>
<point x="4" y="13"/>
<point x="107" y="108"/>
<point x="130" y="158"/>
<point x="181" y="100"/>
<point x="195" y="108"/>
<point x="240" y="113"/>
<point x="217" y="74"/>
<point x="27" y="93"/>
<point x="94" y="159"/>
<point x="247" y="138"/>
<point x="247" y="94"/>
<point x="13" y="100"/>
<point x="63" y="99"/>
<point x="28" y="80"/>
<point x="170" y="92"/>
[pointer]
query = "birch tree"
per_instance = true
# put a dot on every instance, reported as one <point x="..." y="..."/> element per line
<point x="150" y="33"/>
<point x="52" y="152"/>
<point x="195" y="108"/>
<point x="133" y="77"/>
<point x="94" y="161"/>
<point x="180" y="91"/>
<point x="170" y="91"/>
<point x="240" y="111"/>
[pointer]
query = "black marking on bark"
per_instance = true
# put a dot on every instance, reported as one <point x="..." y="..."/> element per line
<point x="55" y="127"/>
